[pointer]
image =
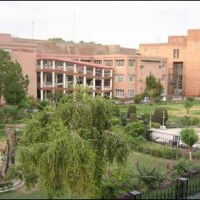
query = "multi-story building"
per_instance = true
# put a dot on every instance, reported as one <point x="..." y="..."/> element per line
<point x="63" y="74"/>
<point x="109" y="70"/>
<point x="183" y="57"/>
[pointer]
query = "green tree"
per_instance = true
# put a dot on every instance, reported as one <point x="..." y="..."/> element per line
<point x="189" y="137"/>
<point x="51" y="139"/>
<point x="158" y="115"/>
<point x="15" y="84"/>
<point x="4" y="59"/>
<point x="137" y="98"/>
<point x="131" y="110"/>
<point x="153" y="87"/>
<point x="188" y="104"/>
<point x="135" y="129"/>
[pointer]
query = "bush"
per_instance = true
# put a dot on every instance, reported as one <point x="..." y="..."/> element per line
<point x="131" y="110"/>
<point x="115" y="110"/>
<point x="158" y="115"/>
<point x="115" y="121"/>
<point x="155" y="125"/>
<point x="137" y="98"/>
<point x="43" y="104"/>
<point x="189" y="121"/>
<point x="135" y="129"/>
<point x="133" y="117"/>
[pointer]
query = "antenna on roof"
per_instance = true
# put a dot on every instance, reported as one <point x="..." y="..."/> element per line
<point x="33" y="29"/>
<point x="74" y="33"/>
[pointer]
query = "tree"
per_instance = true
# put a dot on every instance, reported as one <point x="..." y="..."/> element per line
<point x="135" y="129"/>
<point x="131" y="110"/>
<point x="153" y="87"/>
<point x="137" y="98"/>
<point x="50" y="143"/>
<point x="15" y="84"/>
<point x="189" y="137"/>
<point x="4" y="59"/>
<point x="188" y="104"/>
<point x="158" y="115"/>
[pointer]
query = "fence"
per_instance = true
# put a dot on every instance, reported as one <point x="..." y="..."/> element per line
<point x="180" y="189"/>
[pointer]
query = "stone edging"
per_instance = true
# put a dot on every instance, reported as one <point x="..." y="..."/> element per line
<point x="17" y="184"/>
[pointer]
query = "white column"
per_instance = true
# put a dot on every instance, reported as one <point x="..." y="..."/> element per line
<point x="84" y="77"/>
<point x="94" y="79"/>
<point x="64" y="77"/>
<point x="53" y="75"/>
<point x="75" y="71"/>
<point x="41" y="81"/>
<point x="111" y="84"/>
<point x="102" y="83"/>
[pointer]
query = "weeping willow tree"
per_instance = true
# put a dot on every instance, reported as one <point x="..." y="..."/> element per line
<point x="69" y="148"/>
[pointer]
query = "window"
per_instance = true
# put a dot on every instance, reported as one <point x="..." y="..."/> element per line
<point x="163" y="77"/>
<point x="131" y="77"/>
<point x="119" y="93"/>
<point x="119" y="77"/>
<point x="131" y="63"/>
<point x="130" y="93"/>
<point x="98" y="62"/>
<point x="120" y="62"/>
<point x="176" y="53"/>
<point x="108" y="62"/>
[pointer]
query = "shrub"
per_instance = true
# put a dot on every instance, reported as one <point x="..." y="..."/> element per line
<point x="158" y="115"/>
<point x="43" y="104"/>
<point x="115" y="121"/>
<point x="133" y="117"/>
<point x="131" y="110"/>
<point x="135" y="129"/>
<point x="137" y="98"/>
<point x="155" y="125"/>
<point x="189" y="121"/>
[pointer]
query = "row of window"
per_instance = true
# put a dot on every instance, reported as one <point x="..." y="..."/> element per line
<point x="118" y="62"/>
<point x="120" y="93"/>
<point x="120" y="77"/>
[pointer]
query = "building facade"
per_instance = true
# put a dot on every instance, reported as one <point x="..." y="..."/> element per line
<point x="108" y="70"/>
<point x="183" y="57"/>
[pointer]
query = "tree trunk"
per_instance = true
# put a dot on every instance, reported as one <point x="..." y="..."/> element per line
<point x="190" y="153"/>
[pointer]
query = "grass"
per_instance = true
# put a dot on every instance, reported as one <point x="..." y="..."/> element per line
<point x="174" y="110"/>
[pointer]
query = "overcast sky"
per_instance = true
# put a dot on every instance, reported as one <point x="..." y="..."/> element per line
<point x="127" y="23"/>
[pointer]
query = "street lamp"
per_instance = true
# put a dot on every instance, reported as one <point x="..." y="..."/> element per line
<point x="181" y="188"/>
<point x="135" y="195"/>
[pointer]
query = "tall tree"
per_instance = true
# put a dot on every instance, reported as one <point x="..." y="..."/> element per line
<point x="189" y="137"/>
<point x="153" y="87"/>
<point x="4" y="59"/>
<point x="15" y="84"/>
<point x="70" y="147"/>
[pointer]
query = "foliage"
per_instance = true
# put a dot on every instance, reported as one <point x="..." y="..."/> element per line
<point x="50" y="143"/>
<point x="137" y="98"/>
<point x="42" y="104"/>
<point x="155" y="125"/>
<point x="8" y="114"/>
<point x="133" y="117"/>
<point x="188" y="104"/>
<point x="158" y="115"/>
<point x="131" y="110"/>
<point x="15" y="84"/>
<point x="29" y="103"/>
<point x="56" y="39"/>
<point x="13" y="173"/>
<point x="153" y="87"/>
<point x="115" y="121"/>
<point x="4" y="59"/>
<point x="135" y="129"/>
<point x="115" y="182"/>
<point x="55" y="96"/>
<point x="151" y="177"/>
<point x="189" y="137"/>
<point x="189" y="121"/>
<point x="158" y="150"/>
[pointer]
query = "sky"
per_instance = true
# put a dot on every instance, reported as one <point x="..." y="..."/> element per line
<point x="124" y="23"/>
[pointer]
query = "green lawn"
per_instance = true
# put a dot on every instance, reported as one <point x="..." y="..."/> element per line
<point x="174" y="110"/>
